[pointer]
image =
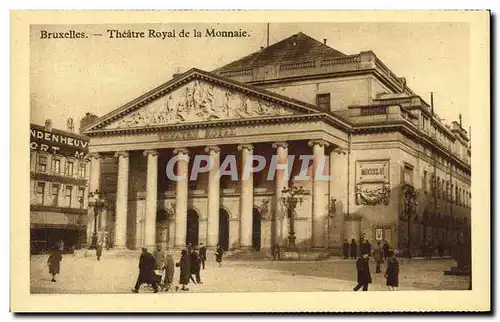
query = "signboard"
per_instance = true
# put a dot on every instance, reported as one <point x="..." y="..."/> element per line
<point x="58" y="142"/>
<point x="372" y="171"/>
<point x="196" y="134"/>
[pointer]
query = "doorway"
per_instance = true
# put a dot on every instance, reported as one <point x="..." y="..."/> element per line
<point x="192" y="227"/>
<point x="256" y="229"/>
<point x="224" y="229"/>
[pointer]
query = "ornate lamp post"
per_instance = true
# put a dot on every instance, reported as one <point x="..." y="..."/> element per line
<point x="332" y="211"/>
<point x="292" y="196"/>
<point x="98" y="204"/>
<point x="410" y="202"/>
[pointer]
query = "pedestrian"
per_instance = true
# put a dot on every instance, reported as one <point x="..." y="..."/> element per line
<point x="276" y="252"/>
<point x="392" y="272"/>
<point x="354" y="249"/>
<point x="98" y="251"/>
<point x="185" y="270"/>
<point x="364" y="276"/>
<point x="146" y="271"/>
<point x="203" y="255"/>
<point x="218" y="255"/>
<point x="194" y="259"/>
<point x="377" y="256"/>
<point x="54" y="262"/>
<point x="61" y="245"/>
<point x="345" y="249"/>
<point x="169" y="268"/>
<point x="366" y="247"/>
<point x="159" y="256"/>
<point x="386" y="249"/>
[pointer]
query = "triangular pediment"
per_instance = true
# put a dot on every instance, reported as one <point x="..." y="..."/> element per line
<point x="198" y="98"/>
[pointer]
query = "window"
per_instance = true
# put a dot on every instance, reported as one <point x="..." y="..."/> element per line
<point x="83" y="170"/>
<point x="452" y="197"/>
<point x="447" y="197"/>
<point x="40" y="192"/>
<point x="42" y="163"/>
<point x="438" y="188"/>
<point x="56" y="165"/>
<point x="457" y="196"/>
<point x="69" y="168"/>
<point x="323" y="101"/>
<point x="81" y="196"/>
<point x="69" y="193"/>
<point x="54" y="195"/>
<point x="408" y="174"/>
<point x="424" y="182"/>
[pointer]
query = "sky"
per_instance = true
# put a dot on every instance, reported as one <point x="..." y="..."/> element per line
<point x="70" y="77"/>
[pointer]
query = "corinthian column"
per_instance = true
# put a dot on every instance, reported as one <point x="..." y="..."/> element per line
<point x="121" y="200"/>
<point x="281" y="182"/>
<point x="318" y="193"/>
<point x="213" y="196"/>
<point x="246" y="198"/>
<point x="151" y="197"/>
<point x="181" y="197"/>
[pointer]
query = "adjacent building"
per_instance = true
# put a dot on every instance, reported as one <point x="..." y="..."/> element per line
<point x="58" y="186"/>
<point x="399" y="173"/>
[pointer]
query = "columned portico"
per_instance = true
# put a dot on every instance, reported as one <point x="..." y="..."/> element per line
<point x="319" y="210"/>
<point x="213" y="196"/>
<point x="246" y="196"/>
<point x="121" y="199"/>
<point x="281" y="182"/>
<point x="151" y="196"/>
<point x="181" y="196"/>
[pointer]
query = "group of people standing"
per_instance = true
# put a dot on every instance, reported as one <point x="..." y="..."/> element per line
<point x="379" y="253"/>
<point x="160" y="265"/>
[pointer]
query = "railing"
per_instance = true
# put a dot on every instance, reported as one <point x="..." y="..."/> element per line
<point x="343" y="60"/>
<point x="377" y="110"/>
<point x="237" y="73"/>
<point x="298" y="65"/>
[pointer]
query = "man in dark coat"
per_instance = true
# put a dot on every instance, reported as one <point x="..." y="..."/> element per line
<point x="203" y="255"/>
<point x="386" y="250"/>
<point x="194" y="259"/>
<point x="146" y="271"/>
<point x="98" y="251"/>
<point x="345" y="249"/>
<point x="364" y="276"/>
<point x="354" y="249"/>
<point x="392" y="272"/>
<point x="377" y="255"/>
<point x="185" y="270"/>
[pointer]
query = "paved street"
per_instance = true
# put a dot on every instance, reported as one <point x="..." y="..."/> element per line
<point x="117" y="274"/>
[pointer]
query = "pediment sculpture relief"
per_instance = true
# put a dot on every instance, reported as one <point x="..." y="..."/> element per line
<point x="199" y="101"/>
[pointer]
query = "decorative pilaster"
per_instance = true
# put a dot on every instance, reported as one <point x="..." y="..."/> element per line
<point x="246" y="198"/>
<point x="213" y="196"/>
<point x="151" y="197"/>
<point x="318" y="194"/>
<point x="181" y="197"/>
<point x="281" y="183"/>
<point x="122" y="199"/>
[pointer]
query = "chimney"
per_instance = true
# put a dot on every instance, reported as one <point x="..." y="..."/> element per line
<point x="324" y="40"/>
<point x="48" y="125"/>
<point x="432" y="103"/>
<point x="460" y="119"/>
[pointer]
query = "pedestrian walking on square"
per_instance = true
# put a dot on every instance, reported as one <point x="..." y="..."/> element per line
<point x="194" y="259"/>
<point x="364" y="276"/>
<point x="60" y="244"/>
<point x="146" y="271"/>
<point x="377" y="256"/>
<point x="218" y="255"/>
<point x="98" y="251"/>
<point x="159" y="256"/>
<point x="345" y="249"/>
<point x="185" y="270"/>
<point x="392" y="272"/>
<point x="354" y="249"/>
<point x="203" y="255"/>
<point x="54" y="263"/>
<point x="169" y="271"/>
<point x="386" y="250"/>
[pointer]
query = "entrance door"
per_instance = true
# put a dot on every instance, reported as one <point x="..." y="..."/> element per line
<point x="192" y="227"/>
<point x="256" y="229"/>
<point x="224" y="229"/>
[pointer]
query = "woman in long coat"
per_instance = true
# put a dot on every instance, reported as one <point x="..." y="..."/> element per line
<point x="392" y="272"/>
<point x="185" y="270"/>
<point x="218" y="255"/>
<point x="54" y="262"/>
<point x="169" y="271"/>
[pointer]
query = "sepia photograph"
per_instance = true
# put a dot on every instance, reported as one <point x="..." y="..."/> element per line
<point x="172" y="157"/>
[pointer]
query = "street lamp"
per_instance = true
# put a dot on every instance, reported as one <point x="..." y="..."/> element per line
<point x="410" y="202"/>
<point x="292" y="196"/>
<point x="98" y="204"/>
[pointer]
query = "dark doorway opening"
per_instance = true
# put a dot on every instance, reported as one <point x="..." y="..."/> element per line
<point x="256" y="229"/>
<point x="224" y="229"/>
<point x="192" y="227"/>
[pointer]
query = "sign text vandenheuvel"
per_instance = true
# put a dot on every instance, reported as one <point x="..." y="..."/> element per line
<point x="58" y="143"/>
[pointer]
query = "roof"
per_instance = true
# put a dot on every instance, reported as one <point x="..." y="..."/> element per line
<point x="299" y="47"/>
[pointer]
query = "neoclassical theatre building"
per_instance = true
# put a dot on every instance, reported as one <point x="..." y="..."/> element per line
<point x="375" y="136"/>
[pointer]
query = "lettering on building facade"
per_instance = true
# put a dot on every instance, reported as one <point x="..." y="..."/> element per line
<point x="196" y="134"/>
<point x="372" y="182"/>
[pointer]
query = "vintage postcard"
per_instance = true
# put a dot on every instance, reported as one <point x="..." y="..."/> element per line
<point x="250" y="161"/>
